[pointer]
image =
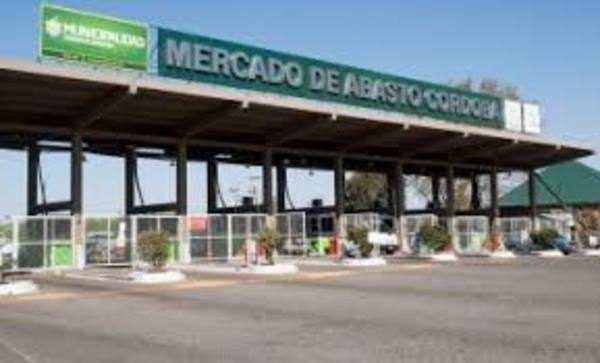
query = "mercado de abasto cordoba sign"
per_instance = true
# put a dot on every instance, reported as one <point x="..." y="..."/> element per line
<point x="199" y="58"/>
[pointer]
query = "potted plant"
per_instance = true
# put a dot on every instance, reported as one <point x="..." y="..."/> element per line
<point x="153" y="248"/>
<point x="269" y="241"/>
<point x="6" y="264"/>
<point x="360" y="236"/>
<point x="494" y="241"/>
<point x="13" y="287"/>
<point x="435" y="238"/>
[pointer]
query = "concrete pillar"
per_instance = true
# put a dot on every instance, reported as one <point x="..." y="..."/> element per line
<point x="281" y="187"/>
<point x="212" y="176"/>
<point x="76" y="199"/>
<point x="532" y="198"/>
<point x="340" y="194"/>
<point x="33" y="164"/>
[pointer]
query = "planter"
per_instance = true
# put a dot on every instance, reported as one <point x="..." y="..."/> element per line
<point x="444" y="257"/>
<point x="277" y="269"/>
<point x="18" y="288"/>
<point x="162" y="277"/>
<point x="364" y="262"/>
<point x="595" y="253"/>
<point x="550" y="254"/>
<point x="502" y="254"/>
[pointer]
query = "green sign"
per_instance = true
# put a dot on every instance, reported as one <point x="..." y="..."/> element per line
<point x="202" y="59"/>
<point x="91" y="38"/>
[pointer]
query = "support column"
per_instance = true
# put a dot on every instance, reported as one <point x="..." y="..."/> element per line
<point x="532" y="198"/>
<point x="33" y="164"/>
<point x="475" y="199"/>
<point x="181" y="206"/>
<point x="450" y="200"/>
<point x="212" y="175"/>
<point x="130" y="170"/>
<point x="76" y="173"/>
<point x="435" y="190"/>
<point x="340" y="194"/>
<point x="281" y="187"/>
<point x="399" y="205"/>
<point x="76" y="199"/>
<point x="494" y="210"/>
<point x="267" y="179"/>
<point x="181" y="179"/>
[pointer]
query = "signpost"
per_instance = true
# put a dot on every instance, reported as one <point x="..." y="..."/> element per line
<point x="91" y="38"/>
<point x="208" y="60"/>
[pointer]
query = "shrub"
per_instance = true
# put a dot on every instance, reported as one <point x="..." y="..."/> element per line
<point x="544" y="237"/>
<point x="434" y="238"/>
<point x="153" y="247"/>
<point x="6" y="264"/>
<point x="269" y="239"/>
<point x="360" y="236"/>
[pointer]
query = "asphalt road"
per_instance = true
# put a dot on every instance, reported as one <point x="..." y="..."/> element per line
<point x="529" y="310"/>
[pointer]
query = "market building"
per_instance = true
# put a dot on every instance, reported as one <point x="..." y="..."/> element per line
<point x="98" y="88"/>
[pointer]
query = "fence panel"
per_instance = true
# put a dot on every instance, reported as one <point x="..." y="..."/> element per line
<point x="515" y="231"/>
<point x="208" y="235"/>
<point x="108" y="240"/>
<point x="43" y="242"/>
<point x="470" y="234"/>
<point x="320" y="230"/>
<point x="412" y="224"/>
<point x="244" y="228"/>
<point x="8" y="247"/>
<point x="291" y="228"/>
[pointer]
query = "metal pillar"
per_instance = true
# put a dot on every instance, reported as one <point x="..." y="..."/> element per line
<point x="399" y="205"/>
<point x="76" y="199"/>
<point x="76" y="173"/>
<point x="130" y="168"/>
<point x="435" y="191"/>
<point x="267" y="180"/>
<point x="450" y="200"/>
<point x="532" y="198"/>
<point x="181" y="206"/>
<point x="340" y="194"/>
<point x="181" y="178"/>
<point x="475" y="199"/>
<point x="494" y="210"/>
<point x="212" y="175"/>
<point x="33" y="163"/>
<point x="281" y="187"/>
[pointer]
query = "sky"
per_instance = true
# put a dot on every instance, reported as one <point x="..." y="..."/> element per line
<point x="549" y="50"/>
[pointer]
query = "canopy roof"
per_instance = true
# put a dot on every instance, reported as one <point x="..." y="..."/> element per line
<point x="117" y="109"/>
<point x="569" y="183"/>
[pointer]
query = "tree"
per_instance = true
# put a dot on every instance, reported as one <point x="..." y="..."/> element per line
<point x="488" y="86"/>
<point x="366" y="191"/>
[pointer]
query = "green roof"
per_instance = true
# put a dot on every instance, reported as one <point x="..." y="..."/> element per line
<point x="573" y="182"/>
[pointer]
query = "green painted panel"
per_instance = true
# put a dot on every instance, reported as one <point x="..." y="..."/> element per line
<point x="208" y="60"/>
<point x="91" y="38"/>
